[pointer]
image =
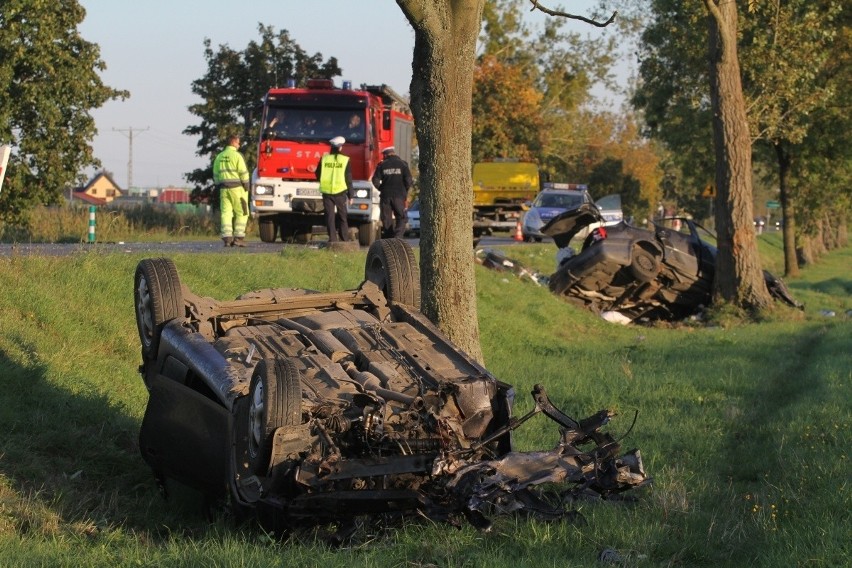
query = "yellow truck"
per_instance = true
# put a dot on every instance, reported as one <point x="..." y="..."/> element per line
<point x="501" y="188"/>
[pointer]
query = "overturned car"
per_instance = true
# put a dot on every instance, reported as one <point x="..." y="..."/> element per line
<point x="310" y="407"/>
<point x="665" y="273"/>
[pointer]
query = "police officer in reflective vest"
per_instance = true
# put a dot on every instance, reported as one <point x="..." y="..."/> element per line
<point x="335" y="180"/>
<point x="232" y="178"/>
<point x="393" y="179"/>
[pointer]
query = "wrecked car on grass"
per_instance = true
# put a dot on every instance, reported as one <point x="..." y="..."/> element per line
<point x="665" y="273"/>
<point x="308" y="407"/>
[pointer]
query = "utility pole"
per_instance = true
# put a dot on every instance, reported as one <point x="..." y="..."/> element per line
<point x="129" y="130"/>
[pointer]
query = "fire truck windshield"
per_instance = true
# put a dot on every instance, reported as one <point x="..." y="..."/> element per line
<point x="304" y="124"/>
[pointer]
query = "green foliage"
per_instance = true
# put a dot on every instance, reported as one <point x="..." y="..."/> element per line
<point x="233" y="86"/>
<point x="609" y="177"/>
<point x="744" y="429"/>
<point x="48" y="85"/>
<point x="530" y="87"/>
<point x="794" y="58"/>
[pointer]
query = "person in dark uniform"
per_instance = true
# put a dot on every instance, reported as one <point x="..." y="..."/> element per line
<point x="335" y="177"/>
<point x="393" y="180"/>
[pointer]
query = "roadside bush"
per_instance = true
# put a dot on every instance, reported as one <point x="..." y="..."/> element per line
<point x="70" y="224"/>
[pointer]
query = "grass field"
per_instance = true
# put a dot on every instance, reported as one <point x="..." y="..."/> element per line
<point x="745" y="428"/>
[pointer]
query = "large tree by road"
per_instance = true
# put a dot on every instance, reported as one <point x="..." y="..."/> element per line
<point x="739" y="276"/>
<point x="48" y="85"/>
<point x="445" y="35"/>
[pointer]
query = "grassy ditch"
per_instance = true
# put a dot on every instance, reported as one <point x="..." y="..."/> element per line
<point x="744" y="428"/>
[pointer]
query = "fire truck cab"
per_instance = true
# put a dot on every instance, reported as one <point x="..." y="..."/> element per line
<point x="297" y="124"/>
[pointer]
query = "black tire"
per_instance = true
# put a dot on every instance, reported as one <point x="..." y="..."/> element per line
<point x="275" y="400"/>
<point x="392" y="267"/>
<point x="368" y="233"/>
<point x="644" y="266"/>
<point x="158" y="298"/>
<point x="302" y="237"/>
<point x="267" y="228"/>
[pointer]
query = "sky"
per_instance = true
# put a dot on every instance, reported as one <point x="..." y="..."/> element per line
<point x="155" y="49"/>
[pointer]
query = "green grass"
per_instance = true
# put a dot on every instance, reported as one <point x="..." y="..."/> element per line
<point x="745" y="429"/>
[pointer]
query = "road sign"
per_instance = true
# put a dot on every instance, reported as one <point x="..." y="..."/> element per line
<point x="709" y="190"/>
<point x="773" y="205"/>
<point x="4" y="159"/>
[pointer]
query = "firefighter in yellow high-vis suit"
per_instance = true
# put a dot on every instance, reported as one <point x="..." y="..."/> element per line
<point x="231" y="176"/>
<point x="335" y="180"/>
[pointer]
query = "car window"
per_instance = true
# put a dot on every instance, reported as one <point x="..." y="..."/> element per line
<point x="609" y="202"/>
<point x="415" y="205"/>
<point x="558" y="200"/>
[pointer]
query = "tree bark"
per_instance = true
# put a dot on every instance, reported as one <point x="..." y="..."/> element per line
<point x="441" y="93"/>
<point x="788" y="229"/>
<point x="739" y="276"/>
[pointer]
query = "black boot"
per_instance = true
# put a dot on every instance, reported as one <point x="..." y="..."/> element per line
<point x="229" y="242"/>
<point x="239" y="242"/>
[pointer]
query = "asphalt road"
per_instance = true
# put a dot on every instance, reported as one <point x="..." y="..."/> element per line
<point x="211" y="245"/>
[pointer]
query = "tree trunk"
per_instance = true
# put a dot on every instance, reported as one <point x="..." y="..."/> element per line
<point x="441" y="93"/>
<point x="739" y="277"/>
<point x="788" y="229"/>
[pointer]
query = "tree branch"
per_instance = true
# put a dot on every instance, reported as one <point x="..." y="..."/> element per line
<point x="549" y="12"/>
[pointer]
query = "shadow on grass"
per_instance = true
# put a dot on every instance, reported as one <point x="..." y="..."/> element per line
<point x="71" y="460"/>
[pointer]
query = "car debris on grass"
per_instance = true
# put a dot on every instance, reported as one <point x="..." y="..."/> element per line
<point x="307" y="408"/>
<point x="629" y="274"/>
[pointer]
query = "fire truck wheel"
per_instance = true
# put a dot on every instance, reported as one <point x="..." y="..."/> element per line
<point x="268" y="228"/>
<point x="392" y="267"/>
<point x="368" y="233"/>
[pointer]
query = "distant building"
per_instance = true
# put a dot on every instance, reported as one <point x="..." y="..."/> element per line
<point x="100" y="190"/>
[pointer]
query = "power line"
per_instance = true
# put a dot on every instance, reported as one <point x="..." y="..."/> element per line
<point x="130" y="130"/>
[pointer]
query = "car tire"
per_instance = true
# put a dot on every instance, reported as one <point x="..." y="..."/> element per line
<point x="392" y="267"/>
<point x="158" y="299"/>
<point x="644" y="266"/>
<point x="275" y="400"/>
<point x="267" y="227"/>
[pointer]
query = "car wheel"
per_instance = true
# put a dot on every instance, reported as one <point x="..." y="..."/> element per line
<point x="644" y="265"/>
<point x="158" y="298"/>
<point x="275" y="400"/>
<point x="392" y="267"/>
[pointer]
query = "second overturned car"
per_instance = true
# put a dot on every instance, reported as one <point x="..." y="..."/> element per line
<point x="310" y="407"/>
<point x="662" y="273"/>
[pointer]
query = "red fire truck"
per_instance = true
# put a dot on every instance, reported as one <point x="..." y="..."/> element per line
<point x="297" y="125"/>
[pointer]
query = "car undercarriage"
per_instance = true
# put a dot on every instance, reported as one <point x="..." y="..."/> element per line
<point x="320" y="407"/>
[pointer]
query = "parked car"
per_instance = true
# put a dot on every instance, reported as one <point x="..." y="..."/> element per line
<point x="307" y="407"/>
<point x="548" y="204"/>
<point x="413" y="214"/>
<point x="662" y="273"/>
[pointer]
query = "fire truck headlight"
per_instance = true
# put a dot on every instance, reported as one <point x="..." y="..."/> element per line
<point x="361" y="193"/>
<point x="263" y="190"/>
